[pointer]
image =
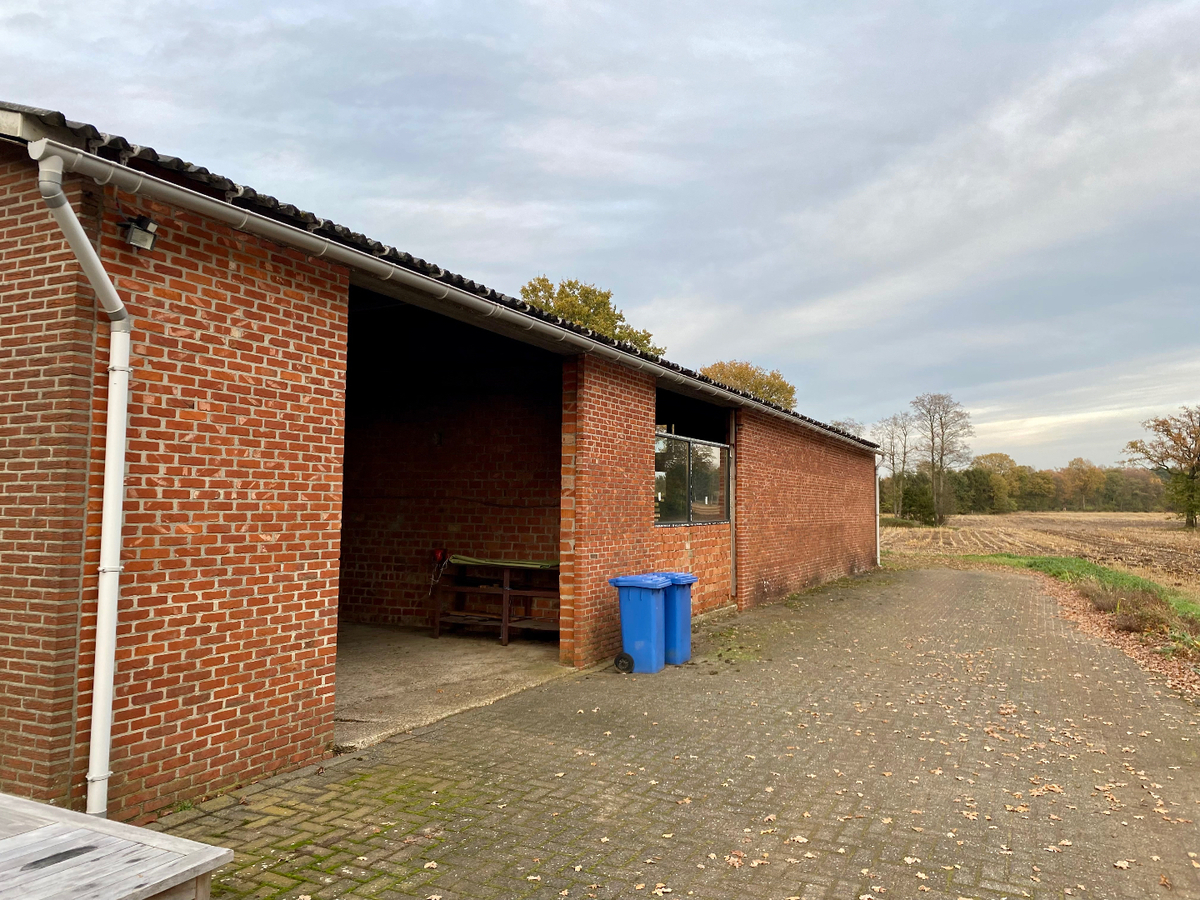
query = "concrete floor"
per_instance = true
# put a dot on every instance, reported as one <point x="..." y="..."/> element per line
<point x="392" y="679"/>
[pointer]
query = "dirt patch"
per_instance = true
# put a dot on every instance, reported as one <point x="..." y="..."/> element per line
<point x="1152" y="545"/>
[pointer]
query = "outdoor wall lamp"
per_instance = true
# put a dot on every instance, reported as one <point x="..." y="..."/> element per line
<point x="142" y="232"/>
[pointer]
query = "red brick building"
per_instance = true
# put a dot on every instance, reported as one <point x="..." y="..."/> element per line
<point x="310" y="414"/>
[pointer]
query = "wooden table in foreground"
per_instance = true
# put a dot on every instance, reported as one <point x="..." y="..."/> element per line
<point x="47" y="853"/>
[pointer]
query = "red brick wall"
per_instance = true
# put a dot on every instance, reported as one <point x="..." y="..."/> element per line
<point x="227" y="626"/>
<point x="805" y="508"/>
<point x="614" y="498"/>
<point x="46" y="343"/>
<point x="702" y="550"/>
<point x="226" y="643"/>
<point x="478" y="476"/>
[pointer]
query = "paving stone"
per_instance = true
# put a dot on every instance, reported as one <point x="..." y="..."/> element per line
<point x="938" y="722"/>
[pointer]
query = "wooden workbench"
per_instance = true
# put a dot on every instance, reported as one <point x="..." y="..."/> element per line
<point x="47" y="853"/>
<point x="450" y="586"/>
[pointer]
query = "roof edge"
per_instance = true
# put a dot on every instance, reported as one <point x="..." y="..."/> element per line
<point x="252" y="206"/>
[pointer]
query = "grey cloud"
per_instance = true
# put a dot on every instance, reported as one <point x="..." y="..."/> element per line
<point x="879" y="199"/>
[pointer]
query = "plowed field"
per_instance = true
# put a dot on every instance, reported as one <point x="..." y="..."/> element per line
<point x="1153" y="545"/>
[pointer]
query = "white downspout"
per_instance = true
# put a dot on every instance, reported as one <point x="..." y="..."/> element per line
<point x="877" y="556"/>
<point x="50" y="171"/>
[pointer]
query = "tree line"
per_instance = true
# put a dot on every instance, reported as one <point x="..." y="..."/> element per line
<point x="932" y="474"/>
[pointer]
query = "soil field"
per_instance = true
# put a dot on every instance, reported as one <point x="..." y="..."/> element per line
<point x="1152" y="545"/>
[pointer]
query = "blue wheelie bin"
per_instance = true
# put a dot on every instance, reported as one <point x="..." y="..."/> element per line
<point x="677" y="616"/>
<point x="641" y="598"/>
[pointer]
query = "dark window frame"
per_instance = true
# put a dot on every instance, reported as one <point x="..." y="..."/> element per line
<point x="726" y="519"/>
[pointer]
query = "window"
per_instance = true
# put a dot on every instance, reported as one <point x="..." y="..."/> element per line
<point x="691" y="480"/>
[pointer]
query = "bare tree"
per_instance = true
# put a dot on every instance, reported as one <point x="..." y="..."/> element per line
<point x="895" y="436"/>
<point x="1174" y="450"/>
<point x="943" y="428"/>
<point x="850" y="426"/>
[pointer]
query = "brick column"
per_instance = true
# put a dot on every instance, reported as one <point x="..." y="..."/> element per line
<point x="566" y="546"/>
<point x="614" y="498"/>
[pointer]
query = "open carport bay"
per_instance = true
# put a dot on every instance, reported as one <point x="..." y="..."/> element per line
<point x="392" y="679"/>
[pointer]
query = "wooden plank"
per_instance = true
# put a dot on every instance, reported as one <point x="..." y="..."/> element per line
<point x="488" y="589"/>
<point x="105" y="871"/>
<point x="14" y="822"/>
<point x="116" y="861"/>
<point x="104" y="826"/>
<point x="15" y="848"/>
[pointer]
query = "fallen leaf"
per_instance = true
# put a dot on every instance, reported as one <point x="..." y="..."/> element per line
<point x="1165" y="881"/>
<point x="1121" y="864"/>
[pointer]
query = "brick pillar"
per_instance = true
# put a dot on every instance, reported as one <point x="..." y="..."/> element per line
<point x="566" y="546"/>
<point x="614" y="498"/>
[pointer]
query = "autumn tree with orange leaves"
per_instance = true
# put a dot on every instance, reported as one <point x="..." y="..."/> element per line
<point x="1174" y="451"/>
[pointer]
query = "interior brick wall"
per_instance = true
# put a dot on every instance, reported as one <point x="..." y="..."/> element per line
<point x="453" y="443"/>
<point x="227" y="626"/>
<point x="805" y="508"/>
<point x="488" y="487"/>
<point x="46" y="357"/>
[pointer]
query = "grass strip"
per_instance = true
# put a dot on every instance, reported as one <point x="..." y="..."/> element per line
<point x="1073" y="569"/>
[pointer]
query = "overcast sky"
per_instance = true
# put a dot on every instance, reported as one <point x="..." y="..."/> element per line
<point x="998" y="201"/>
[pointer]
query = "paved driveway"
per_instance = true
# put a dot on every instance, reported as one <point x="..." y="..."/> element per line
<point x="914" y="734"/>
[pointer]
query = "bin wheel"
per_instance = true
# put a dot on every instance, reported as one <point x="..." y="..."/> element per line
<point x="624" y="663"/>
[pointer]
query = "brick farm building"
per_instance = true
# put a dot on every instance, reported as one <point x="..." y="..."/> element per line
<point x="310" y="415"/>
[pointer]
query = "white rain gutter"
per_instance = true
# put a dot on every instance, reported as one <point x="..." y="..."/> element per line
<point x="50" y="172"/>
<point x="134" y="182"/>
<point x="877" y="557"/>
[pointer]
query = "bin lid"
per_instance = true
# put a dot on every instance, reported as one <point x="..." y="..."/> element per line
<point x="680" y="577"/>
<point x="654" y="581"/>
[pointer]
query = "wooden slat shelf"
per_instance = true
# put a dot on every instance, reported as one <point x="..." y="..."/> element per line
<point x="506" y="591"/>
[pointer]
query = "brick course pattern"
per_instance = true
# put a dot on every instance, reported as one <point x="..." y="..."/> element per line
<point x="480" y="479"/>
<point x="226" y="642"/>
<point x="234" y="516"/>
<point x="47" y="332"/>
<point x="805" y="509"/>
